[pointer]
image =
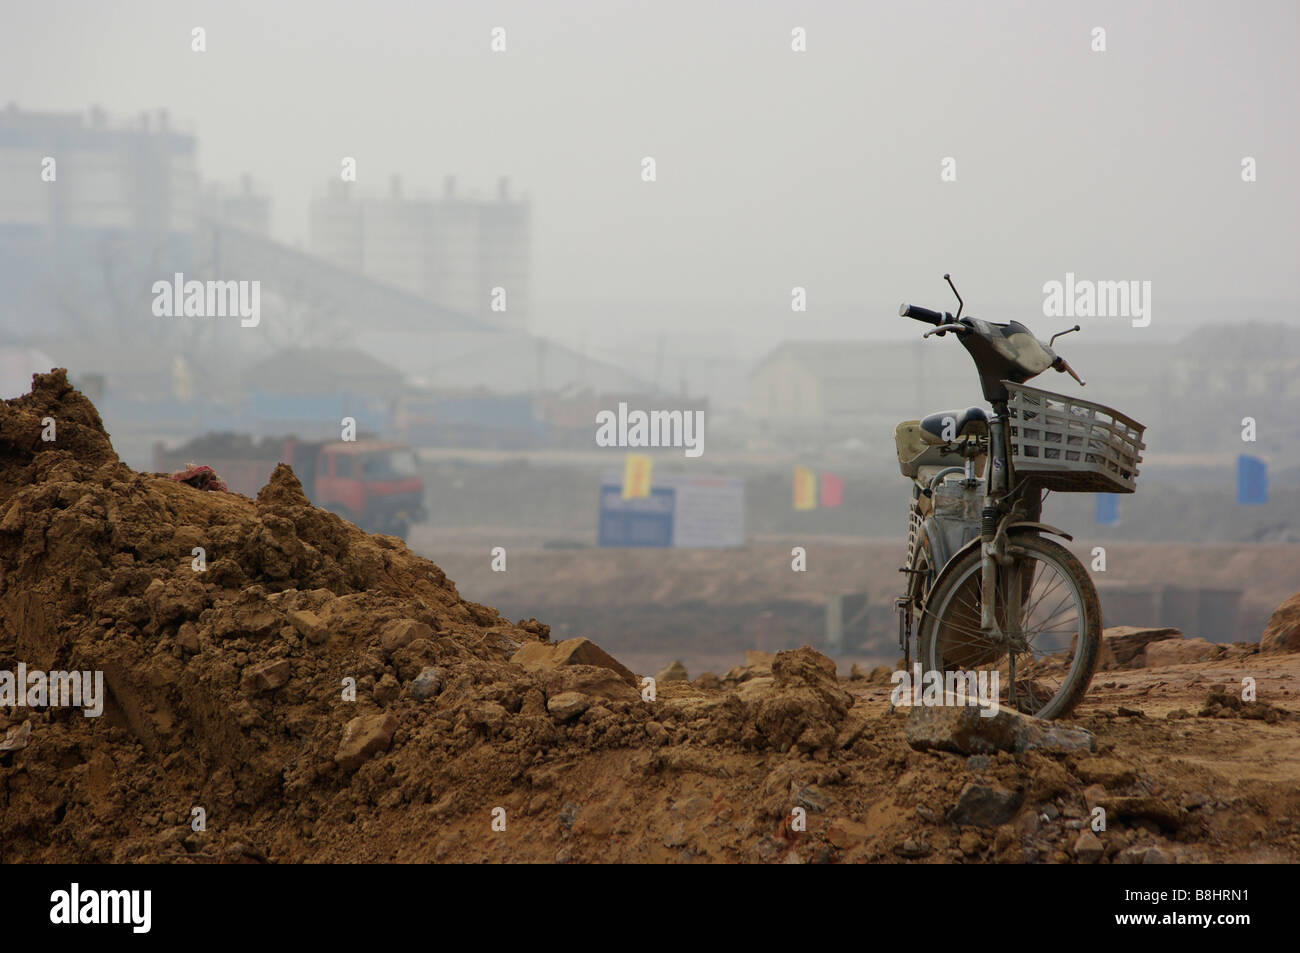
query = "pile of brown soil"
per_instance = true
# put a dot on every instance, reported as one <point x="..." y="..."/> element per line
<point x="224" y="671"/>
<point x="231" y="633"/>
<point x="227" y="628"/>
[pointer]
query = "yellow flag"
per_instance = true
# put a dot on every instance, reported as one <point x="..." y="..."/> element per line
<point x="636" y="476"/>
<point x="805" y="489"/>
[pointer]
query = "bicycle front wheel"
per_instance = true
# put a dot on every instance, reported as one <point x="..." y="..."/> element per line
<point x="1048" y="668"/>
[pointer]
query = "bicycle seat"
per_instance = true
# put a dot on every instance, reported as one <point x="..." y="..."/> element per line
<point x="947" y="425"/>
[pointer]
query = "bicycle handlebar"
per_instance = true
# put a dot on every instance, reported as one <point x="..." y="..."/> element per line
<point x="918" y="313"/>
<point x="944" y="322"/>
<point x="1063" y="366"/>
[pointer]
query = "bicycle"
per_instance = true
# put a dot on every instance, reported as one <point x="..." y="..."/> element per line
<point x="986" y="587"/>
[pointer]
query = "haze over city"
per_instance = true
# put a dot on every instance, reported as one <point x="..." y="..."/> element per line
<point x="562" y="431"/>
<point x="776" y="169"/>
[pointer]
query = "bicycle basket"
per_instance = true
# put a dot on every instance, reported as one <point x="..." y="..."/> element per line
<point x="1072" y="445"/>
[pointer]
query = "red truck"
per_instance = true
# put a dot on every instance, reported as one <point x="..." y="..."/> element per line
<point x="373" y="483"/>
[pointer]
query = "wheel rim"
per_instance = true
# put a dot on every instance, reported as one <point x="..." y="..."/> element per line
<point x="1053" y="622"/>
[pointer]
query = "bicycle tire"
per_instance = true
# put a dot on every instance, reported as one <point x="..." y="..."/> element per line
<point x="965" y="575"/>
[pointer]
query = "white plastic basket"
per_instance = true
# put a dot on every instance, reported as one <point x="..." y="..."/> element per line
<point x="1072" y="445"/>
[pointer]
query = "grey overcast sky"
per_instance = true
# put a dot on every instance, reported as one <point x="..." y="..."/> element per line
<point x="775" y="168"/>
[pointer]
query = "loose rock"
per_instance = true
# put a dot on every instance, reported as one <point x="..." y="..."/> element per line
<point x="965" y="730"/>
<point x="364" y="737"/>
<point x="983" y="805"/>
<point x="1088" y="848"/>
<point x="673" y="672"/>
<point x="568" y="705"/>
<point x="427" y="684"/>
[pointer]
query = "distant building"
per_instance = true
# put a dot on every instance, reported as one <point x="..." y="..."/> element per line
<point x="794" y="383"/>
<point x="453" y="250"/>
<point x="324" y="370"/>
<point x="136" y="179"/>
<point x="1191" y="394"/>
<point x="307" y="391"/>
<point x="840" y="386"/>
<point x="91" y="213"/>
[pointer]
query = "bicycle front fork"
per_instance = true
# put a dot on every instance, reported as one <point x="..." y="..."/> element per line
<point x="993" y="546"/>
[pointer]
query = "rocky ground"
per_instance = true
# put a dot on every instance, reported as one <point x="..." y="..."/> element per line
<point x="325" y="695"/>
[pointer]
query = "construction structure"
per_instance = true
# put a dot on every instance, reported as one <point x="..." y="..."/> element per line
<point x="467" y="253"/>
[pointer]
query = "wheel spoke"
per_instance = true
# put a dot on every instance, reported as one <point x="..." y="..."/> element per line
<point x="1048" y="666"/>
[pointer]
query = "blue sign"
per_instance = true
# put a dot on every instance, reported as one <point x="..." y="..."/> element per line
<point x="647" y="521"/>
<point x="688" y="512"/>
<point x="1252" y="480"/>
<point x="1108" y="509"/>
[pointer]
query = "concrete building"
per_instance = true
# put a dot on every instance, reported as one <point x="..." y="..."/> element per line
<point x="453" y="250"/>
<point x="92" y="211"/>
<point x="66" y="177"/>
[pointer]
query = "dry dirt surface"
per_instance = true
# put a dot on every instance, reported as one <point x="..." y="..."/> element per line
<point x="471" y="738"/>
<point x="693" y="604"/>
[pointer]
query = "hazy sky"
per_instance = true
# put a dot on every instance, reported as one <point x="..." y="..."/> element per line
<point x="775" y="168"/>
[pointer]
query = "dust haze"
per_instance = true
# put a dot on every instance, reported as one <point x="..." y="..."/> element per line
<point x="595" y="306"/>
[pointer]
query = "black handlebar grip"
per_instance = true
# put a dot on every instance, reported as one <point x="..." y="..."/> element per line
<point x="920" y="314"/>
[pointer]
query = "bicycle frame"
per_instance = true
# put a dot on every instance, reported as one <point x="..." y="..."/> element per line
<point x="1002" y="542"/>
<point x="1002" y="510"/>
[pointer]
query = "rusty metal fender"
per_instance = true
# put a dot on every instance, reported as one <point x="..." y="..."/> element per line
<point x="1021" y="526"/>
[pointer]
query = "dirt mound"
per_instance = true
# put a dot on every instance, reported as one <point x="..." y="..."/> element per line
<point x="267" y="662"/>
<point x="226" y="630"/>
<point x="1282" y="634"/>
<point x="55" y="418"/>
<point x="312" y="692"/>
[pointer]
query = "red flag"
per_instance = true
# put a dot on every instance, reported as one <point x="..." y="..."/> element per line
<point x="832" y="489"/>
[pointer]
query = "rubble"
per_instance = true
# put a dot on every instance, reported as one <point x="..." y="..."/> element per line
<point x="547" y="657"/>
<point x="1124" y="646"/>
<point x="1178" y="652"/>
<point x="968" y="729"/>
<point x="672" y="672"/>
<point x="1282" y="633"/>
<point x="328" y="695"/>
<point x="982" y="805"/>
<point x="1088" y="848"/>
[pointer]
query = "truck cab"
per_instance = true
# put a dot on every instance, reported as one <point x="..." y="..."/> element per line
<point x="373" y="483"/>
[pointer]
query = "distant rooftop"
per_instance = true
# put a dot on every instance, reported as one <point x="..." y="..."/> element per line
<point x="322" y="370"/>
<point x="92" y="129"/>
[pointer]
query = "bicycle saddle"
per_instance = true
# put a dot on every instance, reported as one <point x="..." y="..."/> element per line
<point x="971" y="422"/>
